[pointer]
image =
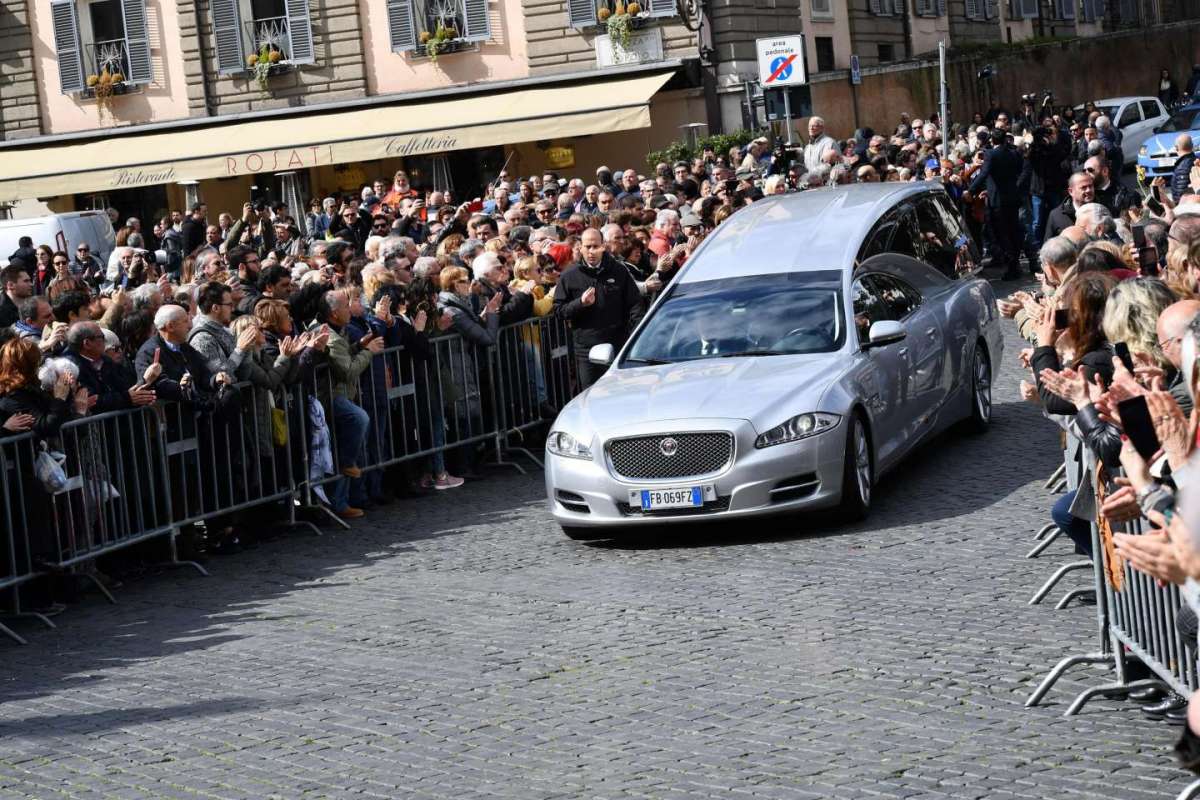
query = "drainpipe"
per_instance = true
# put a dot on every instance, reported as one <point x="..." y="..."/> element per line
<point x="208" y="109"/>
<point x="908" y="33"/>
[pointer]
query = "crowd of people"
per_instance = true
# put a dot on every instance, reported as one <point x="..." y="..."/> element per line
<point x="199" y="303"/>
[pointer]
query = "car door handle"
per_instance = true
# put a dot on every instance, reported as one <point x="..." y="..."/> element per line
<point x="903" y="351"/>
<point x="931" y="332"/>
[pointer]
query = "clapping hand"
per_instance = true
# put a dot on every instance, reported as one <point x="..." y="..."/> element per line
<point x="248" y="338"/>
<point x="1171" y="426"/>
<point x="493" y="304"/>
<point x="420" y="321"/>
<point x="1069" y="384"/>
<point x="82" y="401"/>
<point x="62" y="385"/>
<point x="140" y="395"/>
<point x="1047" y="332"/>
<point x="290" y="346"/>
<point x="1151" y="553"/>
<point x="588" y="296"/>
<point x="383" y="310"/>
<point x="18" y="422"/>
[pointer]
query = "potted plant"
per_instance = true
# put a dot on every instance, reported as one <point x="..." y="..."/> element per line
<point x="619" y="23"/>
<point x="439" y="41"/>
<point x="263" y="63"/>
<point x="104" y="88"/>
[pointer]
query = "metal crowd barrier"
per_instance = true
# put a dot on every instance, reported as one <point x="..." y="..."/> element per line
<point x="146" y="473"/>
<point x="1137" y="616"/>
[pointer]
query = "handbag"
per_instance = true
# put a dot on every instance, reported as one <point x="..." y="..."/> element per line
<point x="48" y="467"/>
<point x="279" y="423"/>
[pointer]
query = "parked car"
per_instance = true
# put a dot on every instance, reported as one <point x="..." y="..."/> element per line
<point x="811" y="342"/>
<point x="1135" y="117"/>
<point x="62" y="232"/>
<point x="1157" y="155"/>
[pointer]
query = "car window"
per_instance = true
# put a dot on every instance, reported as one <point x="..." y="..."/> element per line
<point x="906" y="241"/>
<point x="878" y="239"/>
<point x="869" y="308"/>
<point x="1150" y="109"/>
<point x="937" y="241"/>
<point x="966" y="256"/>
<point x="1129" y="115"/>
<point x="900" y="298"/>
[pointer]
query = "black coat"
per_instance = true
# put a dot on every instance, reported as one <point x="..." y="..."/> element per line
<point x="48" y="412"/>
<point x="1181" y="181"/>
<point x="514" y="306"/>
<point x="1094" y="362"/>
<point x="1000" y="174"/>
<point x="1060" y="219"/>
<point x="192" y="231"/>
<point x="1051" y="165"/>
<point x="616" y="312"/>
<point x="110" y="383"/>
<point x="175" y="364"/>
<point x="8" y="311"/>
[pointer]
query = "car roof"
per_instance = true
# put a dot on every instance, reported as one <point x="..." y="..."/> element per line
<point x="1116" y="101"/>
<point x="817" y="229"/>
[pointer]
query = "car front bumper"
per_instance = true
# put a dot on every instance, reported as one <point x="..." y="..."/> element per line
<point x="788" y="477"/>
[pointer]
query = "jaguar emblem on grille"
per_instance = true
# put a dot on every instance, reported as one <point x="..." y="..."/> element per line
<point x="668" y="447"/>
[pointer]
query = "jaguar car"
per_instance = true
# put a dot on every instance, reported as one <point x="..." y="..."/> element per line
<point x="810" y="343"/>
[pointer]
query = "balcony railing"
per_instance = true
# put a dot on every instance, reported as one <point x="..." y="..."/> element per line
<point x="271" y="34"/>
<point x="111" y="56"/>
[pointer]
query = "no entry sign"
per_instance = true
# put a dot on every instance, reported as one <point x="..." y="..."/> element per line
<point x="781" y="61"/>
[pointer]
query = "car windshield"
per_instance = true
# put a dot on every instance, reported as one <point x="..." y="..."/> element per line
<point x="1108" y="111"/>
<point x="750" y="315"/>
<point x="1179" y="121"/>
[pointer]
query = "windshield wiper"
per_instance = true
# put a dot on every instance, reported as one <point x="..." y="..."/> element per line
<point x="742" y="353"/>
<point x="649" y="362"/>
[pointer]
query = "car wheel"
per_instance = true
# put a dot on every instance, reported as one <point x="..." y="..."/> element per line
<point x="857" y="473"/>
<point x="582" y="534"/>
<point x="981" y="391"/>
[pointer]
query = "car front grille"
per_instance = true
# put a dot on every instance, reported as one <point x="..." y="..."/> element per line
<point x="670" y="455"/>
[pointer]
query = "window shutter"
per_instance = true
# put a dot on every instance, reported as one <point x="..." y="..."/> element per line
<point x="1029" y="9"/>
<point x="663" y="8"/>
<point x="477" y="27"/>
<point x="876" y="6"/>
<point x="227" y="35"/>
<point x="66" y="46"/>
<point x="973" y="9"/>
<point x="989" y="9"/>
<point x="941" y="8"/>
<point x="137" y="41"/>
<point x="581" y="13"/>
<point x="402" y="30"/>
<point x="299" y="32"/>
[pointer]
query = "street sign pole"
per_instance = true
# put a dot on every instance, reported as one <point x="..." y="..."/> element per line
<point x="944" y="104"/>
<point x="787" y="113"/>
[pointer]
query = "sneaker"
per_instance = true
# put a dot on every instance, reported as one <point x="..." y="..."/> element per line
<point x="350" y="512"/>
<point x="447" y="481"/>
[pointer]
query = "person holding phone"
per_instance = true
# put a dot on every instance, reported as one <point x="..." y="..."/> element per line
<point x="1083" y="298"/>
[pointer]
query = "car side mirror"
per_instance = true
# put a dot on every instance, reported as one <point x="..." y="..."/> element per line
<point x="885" y="332"/>
<point x="602" y="354"/>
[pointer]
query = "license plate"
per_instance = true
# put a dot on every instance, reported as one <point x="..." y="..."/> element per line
<point x="674" y="497"/>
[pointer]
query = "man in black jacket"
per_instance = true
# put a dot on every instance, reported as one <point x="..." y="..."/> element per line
<point x="1110" y="193"/>
<point x="600" y="300"/>
<point x="1080" y="191"/>
<point x="1181" y="180"/>
<point x="99" y="374"/>
<point x="1050" y="157"/>
<point x="999" y="175"/>
<point x="193" y="228"/>
<point x="16" y="285"/>
<point x="352" y="225"/>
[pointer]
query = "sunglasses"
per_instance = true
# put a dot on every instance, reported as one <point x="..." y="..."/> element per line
<point x="60" y="263"/>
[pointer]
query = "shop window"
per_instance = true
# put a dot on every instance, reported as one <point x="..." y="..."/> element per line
<point x="107" y="39"/>
<point x="587" y="13"/>
<point x="825" y="59"/>
<point x="280" y="29"/>
<point x="433" y="27"/>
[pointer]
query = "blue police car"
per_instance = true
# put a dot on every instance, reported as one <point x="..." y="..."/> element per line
<point x="1156" y="156"/>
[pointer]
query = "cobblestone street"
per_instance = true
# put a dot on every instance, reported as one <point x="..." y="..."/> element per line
<point x="459" y="647"/>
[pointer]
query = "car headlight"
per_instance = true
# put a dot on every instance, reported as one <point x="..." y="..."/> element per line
<point x="1142" y="151"/>
<point x="564" y="444"/>
<point x="798" y="427"/>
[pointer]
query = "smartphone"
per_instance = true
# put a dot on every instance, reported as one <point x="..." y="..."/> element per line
<point x="1122" y="351"/>
<point x="1138" y="426"/>
<point x="1139" y="235"/>
<point x="1061" y="319"/>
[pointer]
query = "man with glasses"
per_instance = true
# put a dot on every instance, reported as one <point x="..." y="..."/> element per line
<point x="210" y="334"/>
<point x="1172" y="326"/>
<point x="99" y="374"/>
<point x="1106" y="191"/>
<point x="85" y="265"/>
<point x="1080" y="192"/>
<point x="352" y="225"/>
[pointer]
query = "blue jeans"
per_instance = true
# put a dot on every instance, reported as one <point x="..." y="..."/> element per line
<point x="1042" y="206"/>
<point x="1077" y="530"/>
<point x="350" y="427"/>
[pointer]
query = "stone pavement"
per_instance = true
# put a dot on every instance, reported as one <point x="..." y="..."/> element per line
<point x="460" y="647"/>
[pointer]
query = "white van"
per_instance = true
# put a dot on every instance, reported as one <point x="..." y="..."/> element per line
<point x="62" y="232"/>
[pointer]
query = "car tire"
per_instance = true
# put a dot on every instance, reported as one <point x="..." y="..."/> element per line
<point x="582" y="534"/>
<point x="858" y="473"/>
<point x="981" y="391"/>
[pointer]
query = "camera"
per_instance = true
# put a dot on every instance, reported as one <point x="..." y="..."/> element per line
<point x="988" y="71"/>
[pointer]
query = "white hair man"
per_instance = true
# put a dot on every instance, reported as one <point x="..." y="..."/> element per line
<point x="666" y="232"/>
<point x="819" y="144"/>
<point x="492" y="275"/>
<point x="1096" y="220"/>
<point x="426" y="267"/>
<point x="147" y="297"/>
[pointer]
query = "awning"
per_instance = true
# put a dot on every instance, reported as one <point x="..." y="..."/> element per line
<point x="322" y="138"/>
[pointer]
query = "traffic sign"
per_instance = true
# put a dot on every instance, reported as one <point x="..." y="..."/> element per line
<point x="855" y="71"/>
<point x="781" y="61"/>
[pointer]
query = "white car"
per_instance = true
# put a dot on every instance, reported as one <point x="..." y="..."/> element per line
<point x="1135" y="117"/>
